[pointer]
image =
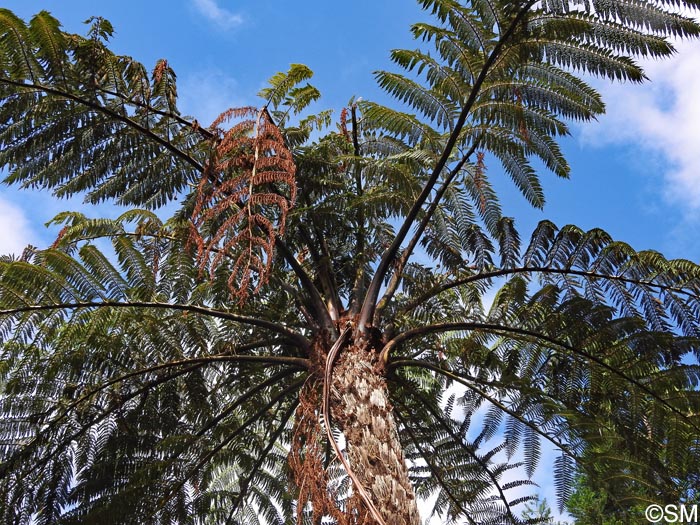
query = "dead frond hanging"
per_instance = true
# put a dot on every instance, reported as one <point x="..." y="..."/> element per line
<point x="344" y="124"/>
<point x="306" y="462"/>
<point x="246" y="190"/>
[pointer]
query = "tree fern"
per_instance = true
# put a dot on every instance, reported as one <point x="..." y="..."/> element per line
<point x="308" y="337"/>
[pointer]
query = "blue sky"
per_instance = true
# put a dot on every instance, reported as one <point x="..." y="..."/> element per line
<point x="635" y="172"/>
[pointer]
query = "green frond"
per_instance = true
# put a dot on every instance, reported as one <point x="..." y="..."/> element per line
<point x="646" y="16"/>
<point x="125" y="370"/>
<point x="548" y="151"/>
<point x="519" y="118"/>
<point x="452" y="49"/>
<point x="440" y="77"/>
<point x="568" y="100"/>
<point x="491" y="14"/>
<point x="283" y="84"/>
<point x="643" y="284"/>
<point x="469" y="28"/>
<point x="52" y="45"/>
<point x="429" y="102"/>
<point x="115" y="286"/>
<point x="462" y="476"/>
<point x="609" y="34"/>
<point x="18" y="61"/>
<point x="76" y="118"/>
<point x="300" y="97"/>
<point x="477" y="184"/>
<point x="516" y="164"/>
<point x="593" y="60"/>
<point x="564" y="473"/>
<point x="401" y="125"/>
<point x="509" y="243"/>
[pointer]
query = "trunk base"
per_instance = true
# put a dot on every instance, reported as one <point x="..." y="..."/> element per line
<point x="360" y="408"/>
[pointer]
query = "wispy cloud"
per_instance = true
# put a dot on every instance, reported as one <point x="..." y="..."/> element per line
<point x="220" y="16"/>
<point x="207" y="93"/>
<point x="663" y="117"/>
<point x="16" y="231"/>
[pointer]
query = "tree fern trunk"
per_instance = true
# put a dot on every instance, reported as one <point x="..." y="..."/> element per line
<point x="361" y="408"/>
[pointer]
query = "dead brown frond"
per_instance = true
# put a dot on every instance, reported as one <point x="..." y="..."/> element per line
<point x="60" y="236"/>
<point x="344" y="124"/>
<point x="243" y="197"/>
<point x="159" y="70"/>
<point x="306" y="459"/>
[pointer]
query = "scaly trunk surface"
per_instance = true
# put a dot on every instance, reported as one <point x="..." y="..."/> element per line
<point x="359" y="406"/>
<point x="361" y="409"/>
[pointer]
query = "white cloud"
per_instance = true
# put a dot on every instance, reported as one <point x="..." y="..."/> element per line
<point x="663" y="117"/>
<point x="220" y="16"/>
<point x="15" y="230"/>
<point x="206" y="94"/>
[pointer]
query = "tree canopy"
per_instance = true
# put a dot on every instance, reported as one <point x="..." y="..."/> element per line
<point x="289" y="321"/>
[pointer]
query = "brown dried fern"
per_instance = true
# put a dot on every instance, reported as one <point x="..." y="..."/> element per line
<point x="243" y="197"/>
<point x="306" y="458"/>
<point x="344" y="124"/>
<point x="159" y="70"/>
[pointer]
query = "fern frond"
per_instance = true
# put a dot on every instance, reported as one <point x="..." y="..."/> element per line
<point x="430" y="103"/>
